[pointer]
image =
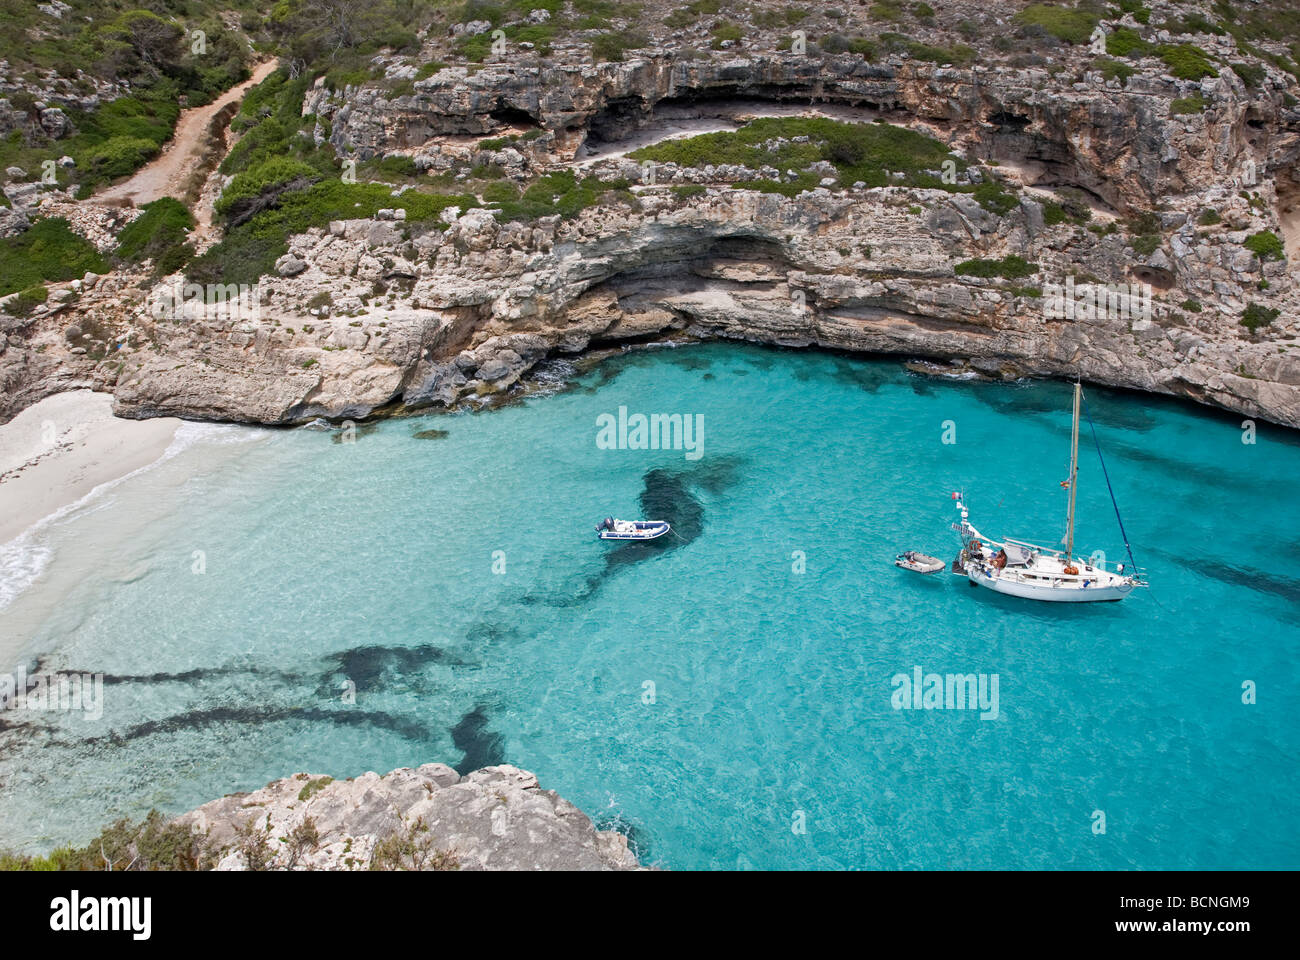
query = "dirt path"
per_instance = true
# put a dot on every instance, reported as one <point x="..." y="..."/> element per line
<point x="168" y="175"/>
<point x="1288" y="215"/>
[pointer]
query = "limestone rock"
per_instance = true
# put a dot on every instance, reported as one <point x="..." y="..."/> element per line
<point x="496" y="818"/>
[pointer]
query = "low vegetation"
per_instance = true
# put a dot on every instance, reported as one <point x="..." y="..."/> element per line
<point x="412" y="848"/>
<point x="151" y="844"/>
<point x="1065" y="24"/>
<point x="49" y="250"/>
<point x="153" y="54"/>
<point x="1266" y="245"/>
<point x="1182" y="106"/>
<point x="1010" y="268"/>
<point x="1256" y="315"/>
<point x="250" y="249"/>
<point x="160" y="234"/>
<point x="560" y="193"/>
<point x="867" y="153"/>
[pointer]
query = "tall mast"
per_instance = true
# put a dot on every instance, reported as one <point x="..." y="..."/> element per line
<point x="1074" y="473"/>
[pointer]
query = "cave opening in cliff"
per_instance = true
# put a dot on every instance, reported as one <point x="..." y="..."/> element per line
<point x="617" y="119"/>
<point x="690" y="270"/>
<point x="1159" y="279"/>
<point x="512" y="116"/>
<point x="722" y="103"/>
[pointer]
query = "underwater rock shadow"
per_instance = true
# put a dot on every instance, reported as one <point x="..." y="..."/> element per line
<point x="255" y="716"/>
<point x="665" y="495"/>
<point x="481" y="746"/>
<point x="374" y="666"/>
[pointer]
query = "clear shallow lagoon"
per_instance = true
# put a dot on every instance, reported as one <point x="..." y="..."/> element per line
<point x="373" y="562"/>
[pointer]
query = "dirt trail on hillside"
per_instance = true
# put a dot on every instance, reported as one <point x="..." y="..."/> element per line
<point x="1288" y="215"/>
<point x="169" y="174"/>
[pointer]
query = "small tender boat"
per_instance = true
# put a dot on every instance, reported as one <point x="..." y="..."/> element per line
<point x="613" y="529"/>
<point x="918" y="562"/>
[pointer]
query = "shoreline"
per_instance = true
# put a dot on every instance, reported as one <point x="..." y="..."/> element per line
<point x="60" y="449"/>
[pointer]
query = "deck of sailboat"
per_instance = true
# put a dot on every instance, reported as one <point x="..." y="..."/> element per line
<point x="1024" y="569"/>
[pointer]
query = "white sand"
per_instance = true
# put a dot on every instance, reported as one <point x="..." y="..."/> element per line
<point x="57" y="451"/>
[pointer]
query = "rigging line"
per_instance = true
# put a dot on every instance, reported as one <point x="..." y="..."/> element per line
<point x="1122" y="532"/>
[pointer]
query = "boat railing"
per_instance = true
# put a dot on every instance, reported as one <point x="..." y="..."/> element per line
<point x="1106" y="566"/>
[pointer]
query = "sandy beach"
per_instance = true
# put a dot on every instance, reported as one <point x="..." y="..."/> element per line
<point x="60" y="449"/>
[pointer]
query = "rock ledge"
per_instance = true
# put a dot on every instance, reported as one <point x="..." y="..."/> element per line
<point x="427" y="818"/>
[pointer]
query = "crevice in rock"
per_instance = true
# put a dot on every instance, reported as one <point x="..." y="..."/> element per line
<point x="511" y="116"/>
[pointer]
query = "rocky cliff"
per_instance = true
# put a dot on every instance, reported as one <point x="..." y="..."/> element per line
<point x="427" y="818"/>
<point x="363" y="314"/>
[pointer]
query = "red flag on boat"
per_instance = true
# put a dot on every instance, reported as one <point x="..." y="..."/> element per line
<point x="955" y="496"/>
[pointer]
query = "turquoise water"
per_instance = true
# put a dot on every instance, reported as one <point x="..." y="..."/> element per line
<point x="373" y="562"/>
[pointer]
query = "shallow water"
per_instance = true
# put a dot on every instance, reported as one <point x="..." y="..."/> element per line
<point x="372" y="563"/>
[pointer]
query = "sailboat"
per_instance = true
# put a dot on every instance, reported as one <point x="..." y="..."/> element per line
<point x="1022" y="569"/>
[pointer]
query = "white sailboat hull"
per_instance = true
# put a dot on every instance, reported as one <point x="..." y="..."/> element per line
<point x="1060" y="591"/>
<point x="1021" y="569"/>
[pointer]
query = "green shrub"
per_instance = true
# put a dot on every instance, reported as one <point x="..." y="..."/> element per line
<point x="838" y="43"/>
<point x="314" y="787"/>
<point x="160" y="234"/>
<point x="1140" y="13"/>
<point x="341" y="78"/>
<point x="958" y="55"/>
<point x="1256" y="315"/>
<point x="610" y="47"/>
<point x="152" y="844"/>
<point x="1187" y="62"/>
<point x="891" y="10"/>
<point x="1194" y="22"/>
<point x="724" y="31"/>
<point x="1266" y="245"/>
<point x="1071" y="26"/>
<point x="994" y="199"/>
<point x="250" y="249"/>
<point x="1011" y="268"/>
<point x="1146" y="221"/>
<point x="500" y="191"/>
<point x="684" y="191"/>
<point x="1113" y="69"/>
<point x="28" y="300"/>
<point x="398" y="165"/>
<point x="476" y="48"/>
<point x="1186" y="105"/>
<point x="561" y="193"/>
<point x="1252" y="74"/>
<point x="859" y="151"/>
<point x="1146" y="244"/>
<point x="1191" y="306"/>
<point x="1209" y="218"/>
<point x="1126" y="42"/>
<point x="262" y="179"/>
<point x="48" y="250"/>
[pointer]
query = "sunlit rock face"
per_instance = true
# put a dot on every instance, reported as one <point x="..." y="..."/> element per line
<point x="364" y="315"/>
<point x="427" y="818"/>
